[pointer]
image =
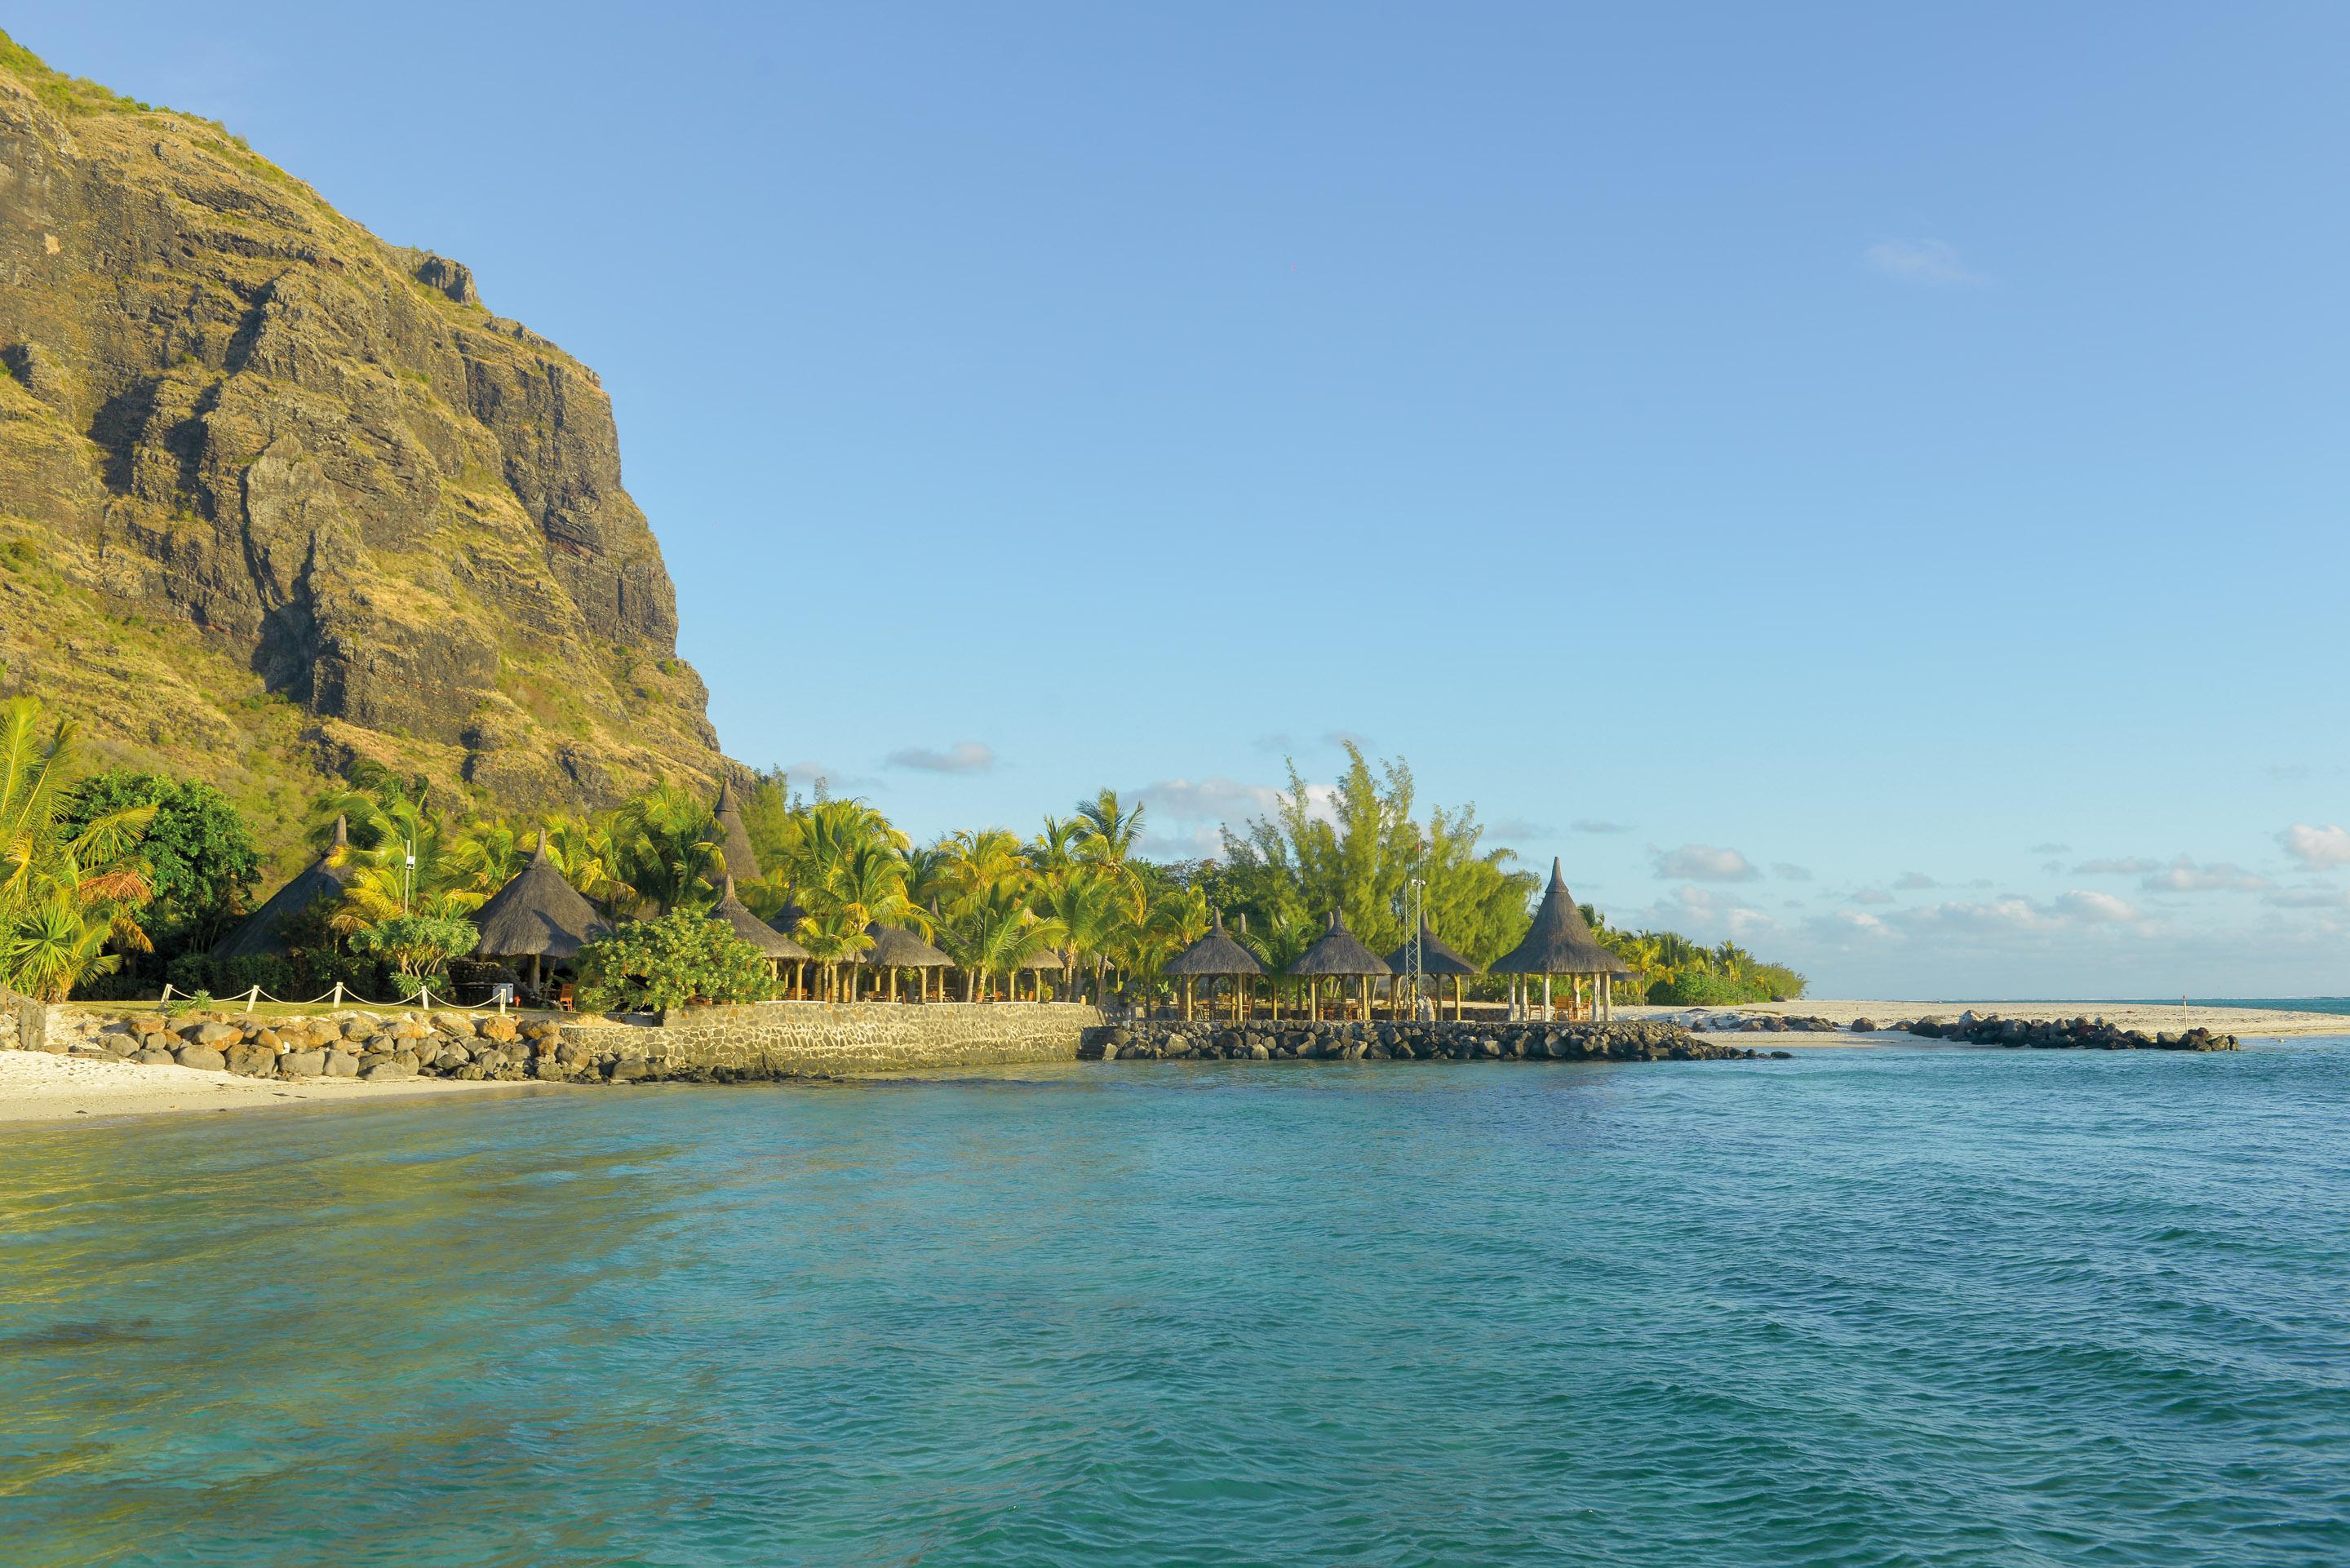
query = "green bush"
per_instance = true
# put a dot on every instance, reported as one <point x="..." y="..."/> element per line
<point x="679" y="959"/>
<point x="416" y="946"/>
<point x="1696" y="989"/>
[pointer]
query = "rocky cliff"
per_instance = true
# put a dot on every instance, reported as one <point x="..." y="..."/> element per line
<point x="275" y="495"/>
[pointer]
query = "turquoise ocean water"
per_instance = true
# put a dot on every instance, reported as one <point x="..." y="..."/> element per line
<point x="1865" y="1307"/>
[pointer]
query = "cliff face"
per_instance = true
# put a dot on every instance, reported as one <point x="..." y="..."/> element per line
<point x="275" y="495"/>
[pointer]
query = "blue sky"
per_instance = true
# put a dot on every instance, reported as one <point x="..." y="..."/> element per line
<point x="1867" y="482"/>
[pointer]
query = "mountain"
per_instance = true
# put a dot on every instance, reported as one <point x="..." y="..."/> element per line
<point x="276" y="496"/>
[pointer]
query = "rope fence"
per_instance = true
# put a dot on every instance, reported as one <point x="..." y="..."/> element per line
<point x="342" y="995"/>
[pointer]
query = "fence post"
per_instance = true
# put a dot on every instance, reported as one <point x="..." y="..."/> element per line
<point x="338" y="993"/>
<point x="253" y="996"/>
<point x="166" y="996"/>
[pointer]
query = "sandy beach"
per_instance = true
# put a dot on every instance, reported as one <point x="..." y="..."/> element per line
<point x="35" y="1087"/>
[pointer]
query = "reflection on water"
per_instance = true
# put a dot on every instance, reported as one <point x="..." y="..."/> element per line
<point x="1869" y="1308"/>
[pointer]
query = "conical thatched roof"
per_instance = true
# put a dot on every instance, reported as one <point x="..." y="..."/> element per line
<point x="263" y="935"/>
<point x="895" y="948"/>
<point x="753" y="929"/>
<point x="1337" y="953"/>
<point x="1560" y="942"/>
<point x="537" y="913"/>
<point x="1214" y="954"/>
<point x="734" y="839"/>
<point x="1044" y="959"/>
<point x="787" y="921"/>
<point x="1435" y="958"/>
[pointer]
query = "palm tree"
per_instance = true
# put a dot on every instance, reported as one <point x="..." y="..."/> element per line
<point x="62" y="895"/>
<point x="1082" y="909"/>
<point x="1110" y="831"/>
<point x="386" y="832"/>
<point x="666" y="841"/>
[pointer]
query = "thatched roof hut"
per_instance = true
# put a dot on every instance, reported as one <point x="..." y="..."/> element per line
<point x="1215" y="954"/>
<point x="787" y="921"/>
<point x="770" y="942"/>
<point x="263" y="934"/>
<point x="894" y="947"/>
<point x="536" y="915"/>
<point x="1435" y="958"/>
<point x="1559" y="941"/>
<point x="1337" y="953"/>
<point x="733" y="839"/>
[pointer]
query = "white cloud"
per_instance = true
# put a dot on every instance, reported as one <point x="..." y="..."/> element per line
<point x="1913" y="881"/>
<point x="1926" y="260"/>
<point x="1872" y="895"/>
<point x="2137" y="866"/>
<point x="2319" y="848"/>
<point x="1589" y="824"/>
<point x="1705" y="862"/>
<point x="2311" y="896"/>
<point x="1520" y="827"/>
<point x="2098" y="908"/>
<point x="1787" y="873"/>
<point x="962" y="757"/>
<point x="1200" y="844"/>
<point x="822" y="775"/>
<point x="1210" y="800"/>
<point x="2185" y="876"/>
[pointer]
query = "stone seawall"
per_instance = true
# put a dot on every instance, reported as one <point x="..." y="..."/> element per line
<point x="777" y="1039"/>
<point x="701" y="1044"/>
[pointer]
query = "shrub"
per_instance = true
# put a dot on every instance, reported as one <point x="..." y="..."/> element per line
<point x="679" y="959"/>
<point x="417" y="946"/>
<point x="1694" y="988"/>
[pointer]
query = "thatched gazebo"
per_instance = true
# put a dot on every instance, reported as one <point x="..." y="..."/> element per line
<point x="1040" y="963"/>
<point x="1436" y="958"/>
<point x="787" y="922"/>
<point x="1560" y="942"/>
<point x="895" y="947"/>
<point x="538" y="916"/>
<point x="263" y="934"/>
<point x="733" y="839"/>
<point x="1216" y="957"/>
<point x="773" y="945"/>
<point x="1338" y="954"/>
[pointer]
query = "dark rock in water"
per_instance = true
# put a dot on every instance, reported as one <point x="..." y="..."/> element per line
<point x="1783" y="1055"/>
<point x="1864" y="1025"/>
<point x="628" y="1069"/>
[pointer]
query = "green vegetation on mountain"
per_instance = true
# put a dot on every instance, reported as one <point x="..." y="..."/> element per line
<point x="278" y="498"/>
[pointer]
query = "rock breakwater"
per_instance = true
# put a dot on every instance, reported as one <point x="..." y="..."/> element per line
<point x="694" y="1045"/>
<point x="2064" y="1034"/>
<point x="1448" y="1042"/>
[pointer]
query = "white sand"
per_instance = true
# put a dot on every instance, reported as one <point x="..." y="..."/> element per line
<point x="35" y="1087"/>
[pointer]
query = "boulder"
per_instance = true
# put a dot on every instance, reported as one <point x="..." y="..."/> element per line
<point x="247" y="1060"/>
<point x="627" y="1068"/>
<point x="153" y="1057"/>
<point x="497" y="1030"/>
<point x="306" y="1064"/>
<point x="213" y="1034"/>
<point x="340" y="1064"/>
<point x="202" y="1058"/>
<point x="388" y="1072"/>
